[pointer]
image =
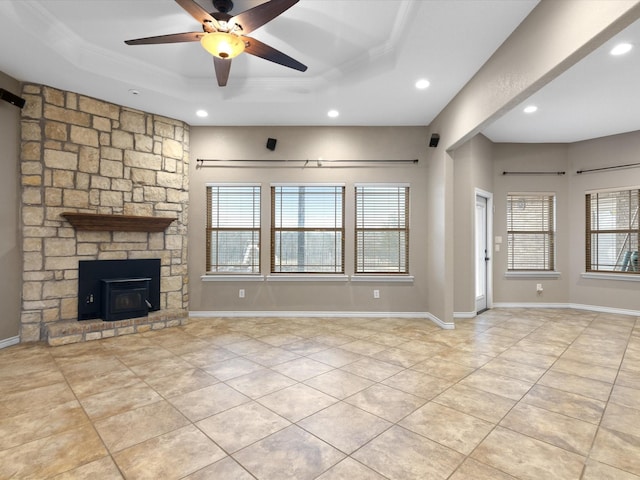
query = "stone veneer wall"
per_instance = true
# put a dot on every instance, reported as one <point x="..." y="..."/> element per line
<point x="80" y="154"/>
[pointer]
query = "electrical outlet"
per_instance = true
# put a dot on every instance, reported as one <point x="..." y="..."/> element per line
<point x="376" y="294"/>
<point x="241" y="293"/>
<point x="539" y="287"/>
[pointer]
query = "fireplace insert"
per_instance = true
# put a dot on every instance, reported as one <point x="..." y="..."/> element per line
<point x="125" y="298"/>
<point x="118" y="289"/>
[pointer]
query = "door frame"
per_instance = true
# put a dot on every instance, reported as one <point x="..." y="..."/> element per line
<point x="488" y="196"/>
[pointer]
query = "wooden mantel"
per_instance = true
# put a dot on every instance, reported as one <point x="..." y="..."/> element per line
<point x="117" y="223"/>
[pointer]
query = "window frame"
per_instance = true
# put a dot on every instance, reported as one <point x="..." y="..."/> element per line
<point x="630" y="232"/>
<point x="549" y="260"/>
<point x="360" y="229"/>
<point x="256" y="204"/>
<point x="275" y="229"/>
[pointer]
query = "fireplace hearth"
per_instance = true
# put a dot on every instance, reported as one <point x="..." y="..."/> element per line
<point x="118" y="289"/>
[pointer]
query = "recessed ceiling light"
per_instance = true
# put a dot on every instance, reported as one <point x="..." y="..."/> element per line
<point x="530" y="109"/>
<point x="333" y="113"/>
<point x="202" y="113"/>
<point x="621" y="49"/>
<point x="422" y="84"/>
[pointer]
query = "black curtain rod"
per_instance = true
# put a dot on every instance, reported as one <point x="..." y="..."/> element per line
<point x="201" y="160"/>
<point x="608" y="168"/>
<point x="221" y="163"/>
<point x="533" y="173"/>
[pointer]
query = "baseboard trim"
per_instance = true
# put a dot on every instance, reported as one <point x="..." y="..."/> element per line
<point x="597" y="308"/>
<point x="7" y="342"/>
<point x="530" y="305"/>
<point x="442" y="324"/>
<point x="287" y="314"/>
<point x="576" y="306"/>
<point x="464" y="314"/>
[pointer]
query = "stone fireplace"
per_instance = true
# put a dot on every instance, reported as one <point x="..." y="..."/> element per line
<point x="124" y="170"/>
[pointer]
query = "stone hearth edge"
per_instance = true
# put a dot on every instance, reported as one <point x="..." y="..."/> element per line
<point x="73" y="331"/>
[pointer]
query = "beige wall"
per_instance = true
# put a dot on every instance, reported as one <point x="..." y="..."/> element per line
<point x="473" y="169"/>
<point x="345" y="143"/>
<point x="10" y="251"/>
<point x="464" y="278"/>
<point x="570" y="288"/>
<point x="531" y="158"/>
<point x="603" y="152"/>
<point x="438" y="242"/>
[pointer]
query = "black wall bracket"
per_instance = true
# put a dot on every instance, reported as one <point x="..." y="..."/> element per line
<point x="11" y="98"/>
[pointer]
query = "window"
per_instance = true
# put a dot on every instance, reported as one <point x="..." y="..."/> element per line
<point x="531" y="231"/>
<point x="307" y="232"/>
<point x="233" y="229"/>
<point x="613" y="233"/>
<point x="382" y="229"/>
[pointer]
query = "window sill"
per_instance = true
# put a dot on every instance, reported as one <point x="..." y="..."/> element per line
<point x="310" y="277"/>
<point x="532" y="274"/>
<point x="382" y="278"/>
<point x="232" y="278"/>
<point x="624" y="277"/>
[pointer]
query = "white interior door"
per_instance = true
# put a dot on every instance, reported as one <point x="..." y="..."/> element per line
<point x="482" y="254"/>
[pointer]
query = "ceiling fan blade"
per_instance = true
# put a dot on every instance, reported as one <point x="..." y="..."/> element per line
<point x="199" y="13"/>
<point x="262" y="50"/>
<point x="222" y="67"/>
<point x="255" y="17"/>
<point x="171" y="38"/>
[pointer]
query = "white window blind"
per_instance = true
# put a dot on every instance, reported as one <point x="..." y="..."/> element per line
<point x="613" y="233"/>
<point x="233" y="229"/>
<point x="307" y="232"/>
<point x="382" y="229"/>
<point x="531" y="231"/>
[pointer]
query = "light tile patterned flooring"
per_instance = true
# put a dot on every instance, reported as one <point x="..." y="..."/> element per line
<point x="512" y="394"/>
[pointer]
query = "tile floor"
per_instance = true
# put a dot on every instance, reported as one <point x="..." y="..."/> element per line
<point x="512" y="394"/>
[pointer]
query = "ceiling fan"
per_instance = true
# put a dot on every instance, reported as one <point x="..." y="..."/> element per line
<point x="225" y="36"/>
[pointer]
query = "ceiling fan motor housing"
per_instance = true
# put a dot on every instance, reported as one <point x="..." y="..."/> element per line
<point x="223" y="6"/>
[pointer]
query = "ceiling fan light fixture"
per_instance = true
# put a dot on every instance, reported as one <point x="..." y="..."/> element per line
<point x="222" y="45"/>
